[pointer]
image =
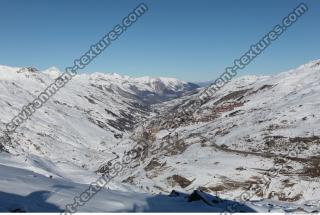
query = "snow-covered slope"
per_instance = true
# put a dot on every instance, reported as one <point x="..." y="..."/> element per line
<point x="53" y="156"/>
<point x="238" y="136"/>
<point x="223" y="147"/>
<point x="72" y="124"/>
<point x="24" y="190"/>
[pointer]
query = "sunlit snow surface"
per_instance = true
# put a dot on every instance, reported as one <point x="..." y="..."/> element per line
<point x="73" y="134"/>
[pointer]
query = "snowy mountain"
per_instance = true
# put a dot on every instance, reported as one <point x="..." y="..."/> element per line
<point x="204" y="83"/>
<point x="88" y="109"/>
<point x="222" y="147"/>
<point x="237" y="138"/>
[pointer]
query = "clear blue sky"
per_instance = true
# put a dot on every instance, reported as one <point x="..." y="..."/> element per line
<point x="190" y="40"/>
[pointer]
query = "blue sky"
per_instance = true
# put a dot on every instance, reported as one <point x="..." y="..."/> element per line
<point x="191" y="40"/>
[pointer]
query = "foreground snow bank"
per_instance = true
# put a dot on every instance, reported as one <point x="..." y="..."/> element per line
<point x="25" y="190"/>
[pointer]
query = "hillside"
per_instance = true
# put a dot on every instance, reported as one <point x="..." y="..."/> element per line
<point x="256" y="131"/>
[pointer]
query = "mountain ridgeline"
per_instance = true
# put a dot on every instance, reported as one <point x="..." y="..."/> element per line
<point x="223" y="148"/>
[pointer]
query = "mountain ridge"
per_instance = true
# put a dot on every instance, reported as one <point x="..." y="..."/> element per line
<point x="222" y="148"/>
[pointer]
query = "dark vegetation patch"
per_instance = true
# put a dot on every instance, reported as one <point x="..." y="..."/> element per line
<point x="90" y="100"/>
<point x="99" y="123"/>
<point x="287" y="183"/>
<point x="229" y="106"/>
<point x="271" y="141"/>
<point x="232" y="96"/>
<point x="280" y="142"/>
<point x="283" y="197"/>
<point x="312" y="139"/>
<point x="264" y="87"/>
<point x="312" y="169"/>
<point x="5" y="141"/>
<point x="180" y="180"/>
<point x="173" y="145"/>
<point x="240" y="168"/>
<point x="226" y="184"/>
<point x="235" y="113"/>
<point x="154" y="163"/>
<point x="139" y="106"/>
<point x="110" y="112"/>
<point x="2" y="148"/>
<point x="129" y="180"/>
<point x="222" y="132"/>
<point x="121" y="124"/>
